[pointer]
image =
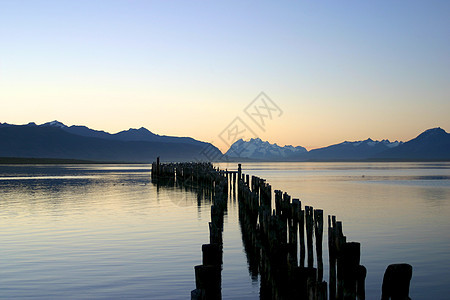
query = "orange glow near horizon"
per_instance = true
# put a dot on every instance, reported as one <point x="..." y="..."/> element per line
<point x="334" y="71"/>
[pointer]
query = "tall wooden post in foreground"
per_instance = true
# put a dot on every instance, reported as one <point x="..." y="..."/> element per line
<point x="396" y="282"/>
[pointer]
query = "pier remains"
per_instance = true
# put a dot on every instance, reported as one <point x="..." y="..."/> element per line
<point x="282" y="239"/>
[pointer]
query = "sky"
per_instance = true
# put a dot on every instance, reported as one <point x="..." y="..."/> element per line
<point x="302" y="73"/>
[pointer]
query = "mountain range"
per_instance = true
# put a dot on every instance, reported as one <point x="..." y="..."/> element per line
<point x="260" y="150"/>
<point x="431" y="145"/>
<point x="54" y="140"/>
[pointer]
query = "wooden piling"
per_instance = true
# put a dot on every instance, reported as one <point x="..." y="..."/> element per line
<point x="212" y="254"/>
<point x="309" y="234"/>
<point x="301" y="229"/>
<point x="360" y="283"/>
<point x="396" y="282"/>
<point x="350" y="256"/>
<point x="332" y="257"/>
<point x="157" y="166"/>
<point x="318" y="230"/>
<point x="208" y="279"/>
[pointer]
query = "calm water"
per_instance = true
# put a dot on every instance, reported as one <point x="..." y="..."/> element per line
<point x="104" y="231"/>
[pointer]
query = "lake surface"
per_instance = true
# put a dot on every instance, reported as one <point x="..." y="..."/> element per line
<point x="106" y="232"/>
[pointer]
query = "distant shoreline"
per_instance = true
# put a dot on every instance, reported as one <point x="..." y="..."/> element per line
<point x="233" y="160"/>
<point x="55" y="161"/>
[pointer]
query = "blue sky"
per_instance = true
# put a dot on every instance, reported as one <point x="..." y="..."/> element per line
<point x="339" y="70"/>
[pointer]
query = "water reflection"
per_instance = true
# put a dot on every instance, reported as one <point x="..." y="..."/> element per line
<point x="214" y="184"/>
<point x="106" y="232"/>
<point x="100" y="233"/>
<point x="396" y="211"/>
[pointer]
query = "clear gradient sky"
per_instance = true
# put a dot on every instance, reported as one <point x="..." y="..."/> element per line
<point x="339" y="70"/>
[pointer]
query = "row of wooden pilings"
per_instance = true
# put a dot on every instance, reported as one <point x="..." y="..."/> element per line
<point x="201" y="174"/>
<point x="208" y="274"/>
<point x="273" y="239"/>
<point x="213" y="182"/>
<point x="278" y="241"/>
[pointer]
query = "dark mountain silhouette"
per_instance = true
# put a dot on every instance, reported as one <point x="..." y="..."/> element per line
<point x="137" y="135"/>
<point x="433" y="145"/>
<point x="54" y="140"/>
<point x="58" y="141"/>
<point x="346" y="151"/>
<point x="358" y="150"/>
<point x="142" y="135"/>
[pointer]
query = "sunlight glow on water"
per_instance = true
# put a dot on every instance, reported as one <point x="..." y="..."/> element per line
<point x="104" y="231"/>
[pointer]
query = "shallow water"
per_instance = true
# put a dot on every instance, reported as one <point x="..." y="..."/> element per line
<point x="104" y="231"/>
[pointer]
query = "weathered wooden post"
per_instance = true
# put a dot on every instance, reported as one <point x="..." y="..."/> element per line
<point x="318" y="229"/>
<point x="332" y="255"/>
<point x="216" y="225"/>
<point x="208" y="281"/>
<point x="339" y="242"/>
<point x="239" y="176"/>
<point x="294" y="232"/>
<point x="321" y="286"/>
<point x="350" y="256"/>
<point x="212" y="254"/>
<point x="309" y="234"/>
<point x="278" y="202"/>
<point x="396" y="282"/>
<point x="360" y="283"/>
<point x="284" y="218"/>
<point x="157" y="166"/>
<point x="301" y="228"/>
<point x="311" y="282"/>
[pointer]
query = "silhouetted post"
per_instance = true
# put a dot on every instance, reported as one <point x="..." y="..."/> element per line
<point x="360" y="283"/>
<point x="212" y="254"/>
<point x="266" y="195"/>
<point x="239" y="176"/>
<point x="318" y="229"/>
<point x="322" y="292"/>
<point x="285" y="211"/>
<point x="208" y="279"/>
<point x="311" y="282"/>
<point x="157" y="166"/>
<point x="197" y="294"/>
<point x="286" y="207"/>
<point x="396" y="282"/>
<point x="339" y="242"/>
<point x="301" y="228"/>
<point x="278" y="202"/>
<point x="215" y="226"/>
<point x="350" y="255"/>
<point x="309" y="234"/>
<point x="332" y="255"/>
<point x="294" y="239"/>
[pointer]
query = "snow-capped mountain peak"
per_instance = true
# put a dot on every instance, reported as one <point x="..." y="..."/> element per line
<point x="391" y="144"/>
<point x="54" y="123"/>
<point x="258" y="149"/>
<point x="371" y="143"/>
